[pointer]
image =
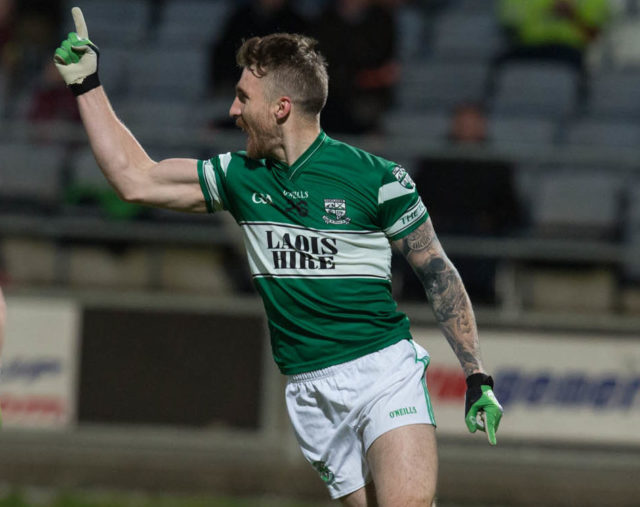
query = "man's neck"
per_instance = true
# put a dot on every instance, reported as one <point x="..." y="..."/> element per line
<point x="295" y="141"/>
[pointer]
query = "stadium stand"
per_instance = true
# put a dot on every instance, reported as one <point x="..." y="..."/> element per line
<point x="565" y="153"/>
<point x="121" y="21"/>
<point x="30" y="177"/>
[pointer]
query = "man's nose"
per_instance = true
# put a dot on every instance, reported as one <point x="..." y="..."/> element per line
<point x="234" y="110"/>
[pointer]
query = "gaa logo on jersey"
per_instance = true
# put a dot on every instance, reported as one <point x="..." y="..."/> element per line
<point x="336" y="210"/>
<point x="403" y="177"/>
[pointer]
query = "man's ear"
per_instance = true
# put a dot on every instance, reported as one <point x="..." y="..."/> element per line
<point x="283" y="109"/>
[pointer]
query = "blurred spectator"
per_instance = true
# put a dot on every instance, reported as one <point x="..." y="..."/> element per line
<point x="7" y="26"/>
<point x="358" y="38"/>
<point x="468" y="124"/>
<point x="256" y="18"/>
<point x="51" y="99"/>
<point x="468" y="193"/>
<point x="31" y="29"/>
<point x="551" y="30"/>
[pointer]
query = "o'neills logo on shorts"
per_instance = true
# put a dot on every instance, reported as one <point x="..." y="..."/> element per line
<point x="402" y="411"/>
<point x="301" y="251"/>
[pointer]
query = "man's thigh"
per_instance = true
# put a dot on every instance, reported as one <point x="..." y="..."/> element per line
<point x="404" y="466"/>
<point x="364" y="497"/>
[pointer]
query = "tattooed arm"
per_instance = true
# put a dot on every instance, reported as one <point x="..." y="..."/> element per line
<point x="446" y="293"/>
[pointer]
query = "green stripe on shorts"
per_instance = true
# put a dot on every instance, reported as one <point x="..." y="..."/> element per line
<point x="425" y="361"/>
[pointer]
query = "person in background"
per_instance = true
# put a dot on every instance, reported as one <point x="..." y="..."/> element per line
<point x="469" y="125"/>
<point x="358" y="38"/>
<point x="551" y="30"/>
<point x="254" y="18"/>
<point x="33" y="26"/>
<point x="469" y="194"/>
<point x="51" y="99"/>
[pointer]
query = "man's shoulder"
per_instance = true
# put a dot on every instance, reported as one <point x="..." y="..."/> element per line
<point x="357" y="157"/>
<point x="237" y="161"/>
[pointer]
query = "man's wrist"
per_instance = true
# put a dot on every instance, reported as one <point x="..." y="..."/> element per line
<point x="479" y="379"/>
<point x="88" y="83"/>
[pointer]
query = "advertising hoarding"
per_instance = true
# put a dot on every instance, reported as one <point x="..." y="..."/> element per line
<point x="560" y="387"/>
<point x="39" y="363"/>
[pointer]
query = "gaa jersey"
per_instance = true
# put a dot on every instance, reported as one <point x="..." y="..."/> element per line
<point x="317" y="237"/>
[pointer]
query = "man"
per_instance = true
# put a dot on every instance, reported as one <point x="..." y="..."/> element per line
<point x="317" y="216"/>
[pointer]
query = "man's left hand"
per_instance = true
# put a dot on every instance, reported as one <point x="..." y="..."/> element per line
<point x="480" y="400"/>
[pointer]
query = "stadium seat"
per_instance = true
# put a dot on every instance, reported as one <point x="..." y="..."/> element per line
<point x="466" y="36"/>
<point x="187" y="22"/>
<point x="431" y="127"/>
<point x="631" y="267"/>
<point x="604" y="134"/>
<point x="410" y="29"/>
<point x="158" y="115"/>
<point x="113" y="22"/>
<point x="624" y="43"/>
<point x="544" y="89"/>
<point x="169" y="74"/>
<point x="114" y="70"/>
<point x="505" y="131"/>
<point x="615" y="95"/>
<point x="485" y="6"/>
<point x="440" y="84"/>
<point x="30" y="176"/>
<point x="574" y="203"/>
<point x="3" y="93"/>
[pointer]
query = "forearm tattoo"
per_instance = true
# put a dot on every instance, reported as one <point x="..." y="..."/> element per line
<point x="447" y="295"/>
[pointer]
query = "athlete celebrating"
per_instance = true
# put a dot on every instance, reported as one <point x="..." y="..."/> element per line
<point x="318" y="218"/>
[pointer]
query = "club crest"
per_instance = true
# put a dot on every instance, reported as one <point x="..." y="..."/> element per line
<point x="403" y="177"/>
<point x="336" y="211"/>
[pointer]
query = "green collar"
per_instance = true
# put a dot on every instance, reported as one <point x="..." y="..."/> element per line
<point x="302" y="159"/>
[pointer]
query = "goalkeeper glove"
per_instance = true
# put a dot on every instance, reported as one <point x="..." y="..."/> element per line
<point x="480" y="400"/>
<point x="77" y="58"/>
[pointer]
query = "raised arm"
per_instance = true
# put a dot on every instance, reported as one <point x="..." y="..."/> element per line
<point x="453" y="311"/>
<point x="172" y="183"/>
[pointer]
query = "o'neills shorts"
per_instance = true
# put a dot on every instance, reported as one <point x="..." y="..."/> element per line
<point x="338" y="412"/>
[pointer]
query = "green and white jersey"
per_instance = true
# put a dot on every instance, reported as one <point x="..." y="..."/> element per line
<point x="317" y="236"/>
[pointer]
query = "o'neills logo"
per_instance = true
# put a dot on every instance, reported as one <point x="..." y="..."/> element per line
<point x="301" y="251"/>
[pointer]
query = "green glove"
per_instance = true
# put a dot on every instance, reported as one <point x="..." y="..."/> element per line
<point x="480" y="400"/>
<point x="77" y="58"/>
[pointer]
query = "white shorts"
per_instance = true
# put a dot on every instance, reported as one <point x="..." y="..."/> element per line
<point x="338" y="412"/>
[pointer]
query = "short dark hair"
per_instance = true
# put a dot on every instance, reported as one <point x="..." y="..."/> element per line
<point x="294" y="65"/>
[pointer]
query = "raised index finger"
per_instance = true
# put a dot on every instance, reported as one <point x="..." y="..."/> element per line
<point x="81" y="26"/>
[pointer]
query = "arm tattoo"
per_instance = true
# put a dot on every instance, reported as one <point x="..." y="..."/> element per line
<point x="447" y="295"/>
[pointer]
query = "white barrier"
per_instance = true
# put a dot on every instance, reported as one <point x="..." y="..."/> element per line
<point x="39" y="372"/>
<point x="554" y="387"/>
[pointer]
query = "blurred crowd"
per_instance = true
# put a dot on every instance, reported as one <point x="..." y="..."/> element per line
<point x="448" y="63"/>
<point x="360" y="39"/>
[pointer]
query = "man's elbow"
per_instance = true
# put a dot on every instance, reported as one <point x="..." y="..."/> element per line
<point x="132" y="194"/>
<point x="128" y="183"/>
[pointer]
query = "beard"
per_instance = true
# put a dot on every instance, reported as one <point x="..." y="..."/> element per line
<point x="261" y="138"/>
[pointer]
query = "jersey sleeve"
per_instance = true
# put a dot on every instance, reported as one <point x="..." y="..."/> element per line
<point x="400" y="208"/>
<point x="212" y="174"/>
